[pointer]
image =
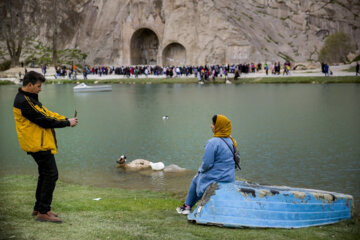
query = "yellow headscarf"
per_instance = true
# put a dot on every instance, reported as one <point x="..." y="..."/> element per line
<point x="223" y="128"/>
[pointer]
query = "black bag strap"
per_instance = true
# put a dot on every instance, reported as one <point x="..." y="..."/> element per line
<point x="233" y="152"/>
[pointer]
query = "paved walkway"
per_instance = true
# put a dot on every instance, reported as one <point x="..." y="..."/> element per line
<point x="337" y="71"/>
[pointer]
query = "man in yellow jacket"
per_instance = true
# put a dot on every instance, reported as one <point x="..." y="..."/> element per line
<point x="35" y="129"/>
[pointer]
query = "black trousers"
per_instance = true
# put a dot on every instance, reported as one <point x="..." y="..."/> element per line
<point x="48" y="175"/>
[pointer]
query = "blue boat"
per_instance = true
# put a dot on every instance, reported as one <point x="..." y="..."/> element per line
<point x="245" y="204"/>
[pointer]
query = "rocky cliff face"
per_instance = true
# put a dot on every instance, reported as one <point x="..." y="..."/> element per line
<point x="171" y="32"/>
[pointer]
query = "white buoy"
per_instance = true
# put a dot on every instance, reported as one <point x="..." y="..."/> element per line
<point x="165" y="117"/>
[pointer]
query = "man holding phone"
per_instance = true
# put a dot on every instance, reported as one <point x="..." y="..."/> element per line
<point x="35" y="129"/>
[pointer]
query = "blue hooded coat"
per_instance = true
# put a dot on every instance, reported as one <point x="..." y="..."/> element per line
<point x="218" y="164"/>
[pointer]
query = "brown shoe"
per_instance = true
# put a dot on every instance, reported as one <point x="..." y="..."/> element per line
<point x="47" y="218"/>
<point x="35" y="213"/>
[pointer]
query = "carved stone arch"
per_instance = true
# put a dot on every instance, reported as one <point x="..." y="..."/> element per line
<point x="174" y="54"/>
<point x="144" y="46"/>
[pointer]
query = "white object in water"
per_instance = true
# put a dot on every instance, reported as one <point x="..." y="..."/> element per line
<point x="174" y="168"/>
<point x="82" y="87"/>
<point x="97" y="199"/>
<point x="165" y="117"/>
<point x="157" y="166"/>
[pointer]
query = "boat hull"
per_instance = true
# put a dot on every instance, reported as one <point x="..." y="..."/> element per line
<point x="96" y="88"/>
<point x="244" y="204"/>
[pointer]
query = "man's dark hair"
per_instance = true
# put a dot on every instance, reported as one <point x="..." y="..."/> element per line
<point x="33" y="77"/>
<point x="214" y="119"/>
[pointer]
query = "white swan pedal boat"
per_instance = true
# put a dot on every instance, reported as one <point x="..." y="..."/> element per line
<point x="82" y="87"/>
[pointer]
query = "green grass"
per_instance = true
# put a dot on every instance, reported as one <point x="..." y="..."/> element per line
<point x="126" y="214"/>
<point x="351" y="69"/>
<point x="5" y="65"/>
<point x="6" y="82"/>
<point x="285" y="57"/>
<point x="285" y="79"/>
<point x="357" y="58"/>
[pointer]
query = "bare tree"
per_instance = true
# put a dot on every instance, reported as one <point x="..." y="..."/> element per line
<point x="16" y="24"/>
<point x="54" y="40"/>
<point x="12" y="28"/>
<point x="64" y="19"/>
<point x="24" y="19"/>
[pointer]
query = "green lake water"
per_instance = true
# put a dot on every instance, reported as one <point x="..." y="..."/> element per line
<point x="297" y="135"/>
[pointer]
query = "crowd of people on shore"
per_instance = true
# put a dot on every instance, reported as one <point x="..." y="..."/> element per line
<point x="202" y="73"/>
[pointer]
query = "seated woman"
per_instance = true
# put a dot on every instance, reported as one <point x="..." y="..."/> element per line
<point x="218" y="163"/>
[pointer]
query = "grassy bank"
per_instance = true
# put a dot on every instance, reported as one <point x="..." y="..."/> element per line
<point x="124" y="214"/>
<point x="260" y="80"/>
<point x="312" y="80"/>
<point x="6" y="82"/>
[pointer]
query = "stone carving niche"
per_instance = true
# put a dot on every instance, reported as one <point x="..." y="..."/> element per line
<point x="174" y="54"/>
<point x="144" y="47"/>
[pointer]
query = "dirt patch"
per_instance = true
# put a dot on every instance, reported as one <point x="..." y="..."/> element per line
<point x="299" y="195"/>
<point x="264" y="193"/>
<point x="324" y="196"/>
<point x="208" y="193"/>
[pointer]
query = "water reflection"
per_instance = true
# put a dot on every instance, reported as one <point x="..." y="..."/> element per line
<point x="158" y="180"/>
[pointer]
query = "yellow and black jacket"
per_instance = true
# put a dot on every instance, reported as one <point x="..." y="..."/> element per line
<point x="35" y="124"/>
